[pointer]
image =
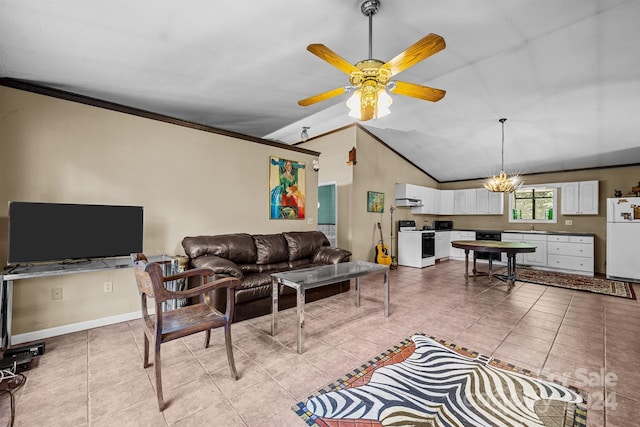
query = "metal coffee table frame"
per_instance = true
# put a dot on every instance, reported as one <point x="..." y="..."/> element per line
<point x="314" y="277"/>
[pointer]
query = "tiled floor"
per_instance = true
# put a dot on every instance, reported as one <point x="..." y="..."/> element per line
<point x="95" y="377"/>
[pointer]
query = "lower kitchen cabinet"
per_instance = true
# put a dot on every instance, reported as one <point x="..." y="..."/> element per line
<point x="443" y="244"/>
<point x="537" y="258"/>
<point x="460" y="235"/>
<point x="573" y="254"/>
<point x="556" y="252"/>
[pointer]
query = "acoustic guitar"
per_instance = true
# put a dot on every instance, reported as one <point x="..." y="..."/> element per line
<point x="382" y="251"/>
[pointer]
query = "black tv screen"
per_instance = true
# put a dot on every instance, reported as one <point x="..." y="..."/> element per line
<point x="42" y="232"/>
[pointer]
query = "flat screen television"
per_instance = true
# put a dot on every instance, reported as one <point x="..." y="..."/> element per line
<point x="55" y="232"/>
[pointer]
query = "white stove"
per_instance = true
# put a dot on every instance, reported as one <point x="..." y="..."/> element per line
<point x="416" y="248"/>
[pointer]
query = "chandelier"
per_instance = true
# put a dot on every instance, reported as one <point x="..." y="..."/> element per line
<point x="502" y="183"/>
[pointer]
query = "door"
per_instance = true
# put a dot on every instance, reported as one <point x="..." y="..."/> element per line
<point x="623" y="258"/>
<point x="328" y="212"/>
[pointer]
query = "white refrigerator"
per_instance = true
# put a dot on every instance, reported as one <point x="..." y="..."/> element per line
<point x="623" y="239"/>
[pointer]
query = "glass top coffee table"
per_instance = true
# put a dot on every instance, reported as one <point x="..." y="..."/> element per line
<point x="309" y="278"/>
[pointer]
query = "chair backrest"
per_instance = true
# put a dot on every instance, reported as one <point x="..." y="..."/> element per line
<point x="149" y="278"/>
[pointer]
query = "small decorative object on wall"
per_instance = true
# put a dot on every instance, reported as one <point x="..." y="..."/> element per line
<point x="352" y="157"/>
<point x="375" y="201"/>
<point x="287" y="180"/>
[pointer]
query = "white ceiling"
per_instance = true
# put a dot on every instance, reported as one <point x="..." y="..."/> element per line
<point x="566" y="74"/>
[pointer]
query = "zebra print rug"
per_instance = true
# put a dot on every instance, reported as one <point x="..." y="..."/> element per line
<point x="427" y="382"/>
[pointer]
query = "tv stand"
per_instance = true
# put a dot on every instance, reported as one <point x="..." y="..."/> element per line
<point x="31" y="271"/>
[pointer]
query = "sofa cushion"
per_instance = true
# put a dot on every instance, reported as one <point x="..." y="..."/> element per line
<point x="329" y="255"/>
<point x="304" y="244"/>
<point x="271" y="248"/>
<point x="239" y="248"/>
<point x="219" y="265"/>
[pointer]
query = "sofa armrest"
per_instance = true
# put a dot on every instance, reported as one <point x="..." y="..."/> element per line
<point x="328" y="255"/>
<point x="219" y="265"/>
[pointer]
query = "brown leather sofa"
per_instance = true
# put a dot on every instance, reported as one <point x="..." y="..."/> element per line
<point x="252" y="259"/>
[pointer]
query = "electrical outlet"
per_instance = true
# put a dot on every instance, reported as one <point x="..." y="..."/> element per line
<point x="309" y="221"/>
<point x="108" y="286"/>
<point x="568" y="222"/>
<point x="56" y="293"/>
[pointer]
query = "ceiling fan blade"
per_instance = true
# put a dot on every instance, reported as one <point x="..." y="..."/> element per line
<point x="422" y="49"/>
<point x="418" y="91"/>
<point x="326" y="54"/>
<point x="321" y="96"/>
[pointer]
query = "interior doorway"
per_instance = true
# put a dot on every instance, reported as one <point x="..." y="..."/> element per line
<point x="328" y="211"/>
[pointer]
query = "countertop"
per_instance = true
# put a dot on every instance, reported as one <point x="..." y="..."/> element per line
<point x="568" y="233"/>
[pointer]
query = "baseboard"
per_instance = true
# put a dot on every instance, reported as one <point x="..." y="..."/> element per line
<point x="74" y="327"/>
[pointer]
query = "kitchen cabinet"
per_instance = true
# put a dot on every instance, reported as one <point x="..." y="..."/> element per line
<point x="443" y="244"/>
<point x="464" y="201"/>
<point x="489" y="202"/>
<point x="566" y="253"/>
<point x="408" y="195"/>
<point x="537" y="258"/>
<point x="460" y="235"/>
<point x="446" y="202"/>
<point x="430" y="201"/>
<point x="579" y="198"/>
<point x="572" y="254"/>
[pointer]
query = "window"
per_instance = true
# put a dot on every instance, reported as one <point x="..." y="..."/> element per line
<point x="533" y="204"/>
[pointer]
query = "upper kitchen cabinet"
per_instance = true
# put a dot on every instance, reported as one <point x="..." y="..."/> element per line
<point x="408" y="195"/>
<point x="464" y="202"/>
<point x="446" y="202"/>
<point x="489" y="202"/>
<point x="579" y="198"/>
<point x="430" y="201"/>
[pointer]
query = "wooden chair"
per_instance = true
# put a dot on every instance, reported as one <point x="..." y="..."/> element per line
<point x="162" y="327"/>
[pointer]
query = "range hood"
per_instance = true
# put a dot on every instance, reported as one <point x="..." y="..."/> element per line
<point x="408" y="202"/>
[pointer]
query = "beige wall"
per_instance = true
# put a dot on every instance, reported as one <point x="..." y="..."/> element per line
<point x="378" y="169"/>
<point x="190" y="182"/>
<point x="194" y="182"/>
<point x="609" y="179"/>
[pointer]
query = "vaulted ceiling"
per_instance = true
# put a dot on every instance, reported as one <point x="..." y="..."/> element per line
<point x="566" y="74"/>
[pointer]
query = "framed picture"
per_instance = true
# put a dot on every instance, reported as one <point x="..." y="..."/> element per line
<point x="287" y="180"/>
<point x="375" y="201"/>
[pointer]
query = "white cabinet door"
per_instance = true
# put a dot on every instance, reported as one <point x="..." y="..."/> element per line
<point x="589" y="197"/>
<point x="512" y="237"/>
<point x="569" y="198"/>
<point x="407" y="191"/>
<point x="460" y="235"/>
<point x="539" y="257"/>
<point x="482" y="201"/>
<point x="421" y="194"/>
<point x="579" y="198"/>
<point x="446" y="202"/>
<point x="443" y="244"/>
<point x="496" y="203"/>
<point x="434" y="196"/>
<point x="430" y="201"/>
<point x="472" y="204"/>
<point x="459" y="202"/>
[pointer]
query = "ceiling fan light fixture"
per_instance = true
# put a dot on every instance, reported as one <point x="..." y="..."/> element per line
<point x="502" y="183"/>
<point x="370" y="79"/>
<point x="370" y="101"/>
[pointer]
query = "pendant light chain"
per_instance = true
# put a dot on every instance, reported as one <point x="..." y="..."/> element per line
<point x="501" y="183"/>
<point x="502" y="164"/>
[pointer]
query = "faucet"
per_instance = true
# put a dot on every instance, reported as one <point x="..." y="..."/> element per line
<point x="532" y="227"/>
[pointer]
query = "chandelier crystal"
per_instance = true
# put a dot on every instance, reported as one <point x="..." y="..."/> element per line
<point x="502" y="183"/>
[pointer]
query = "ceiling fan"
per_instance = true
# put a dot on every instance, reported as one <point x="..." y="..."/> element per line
<point x="371" y="78"/>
